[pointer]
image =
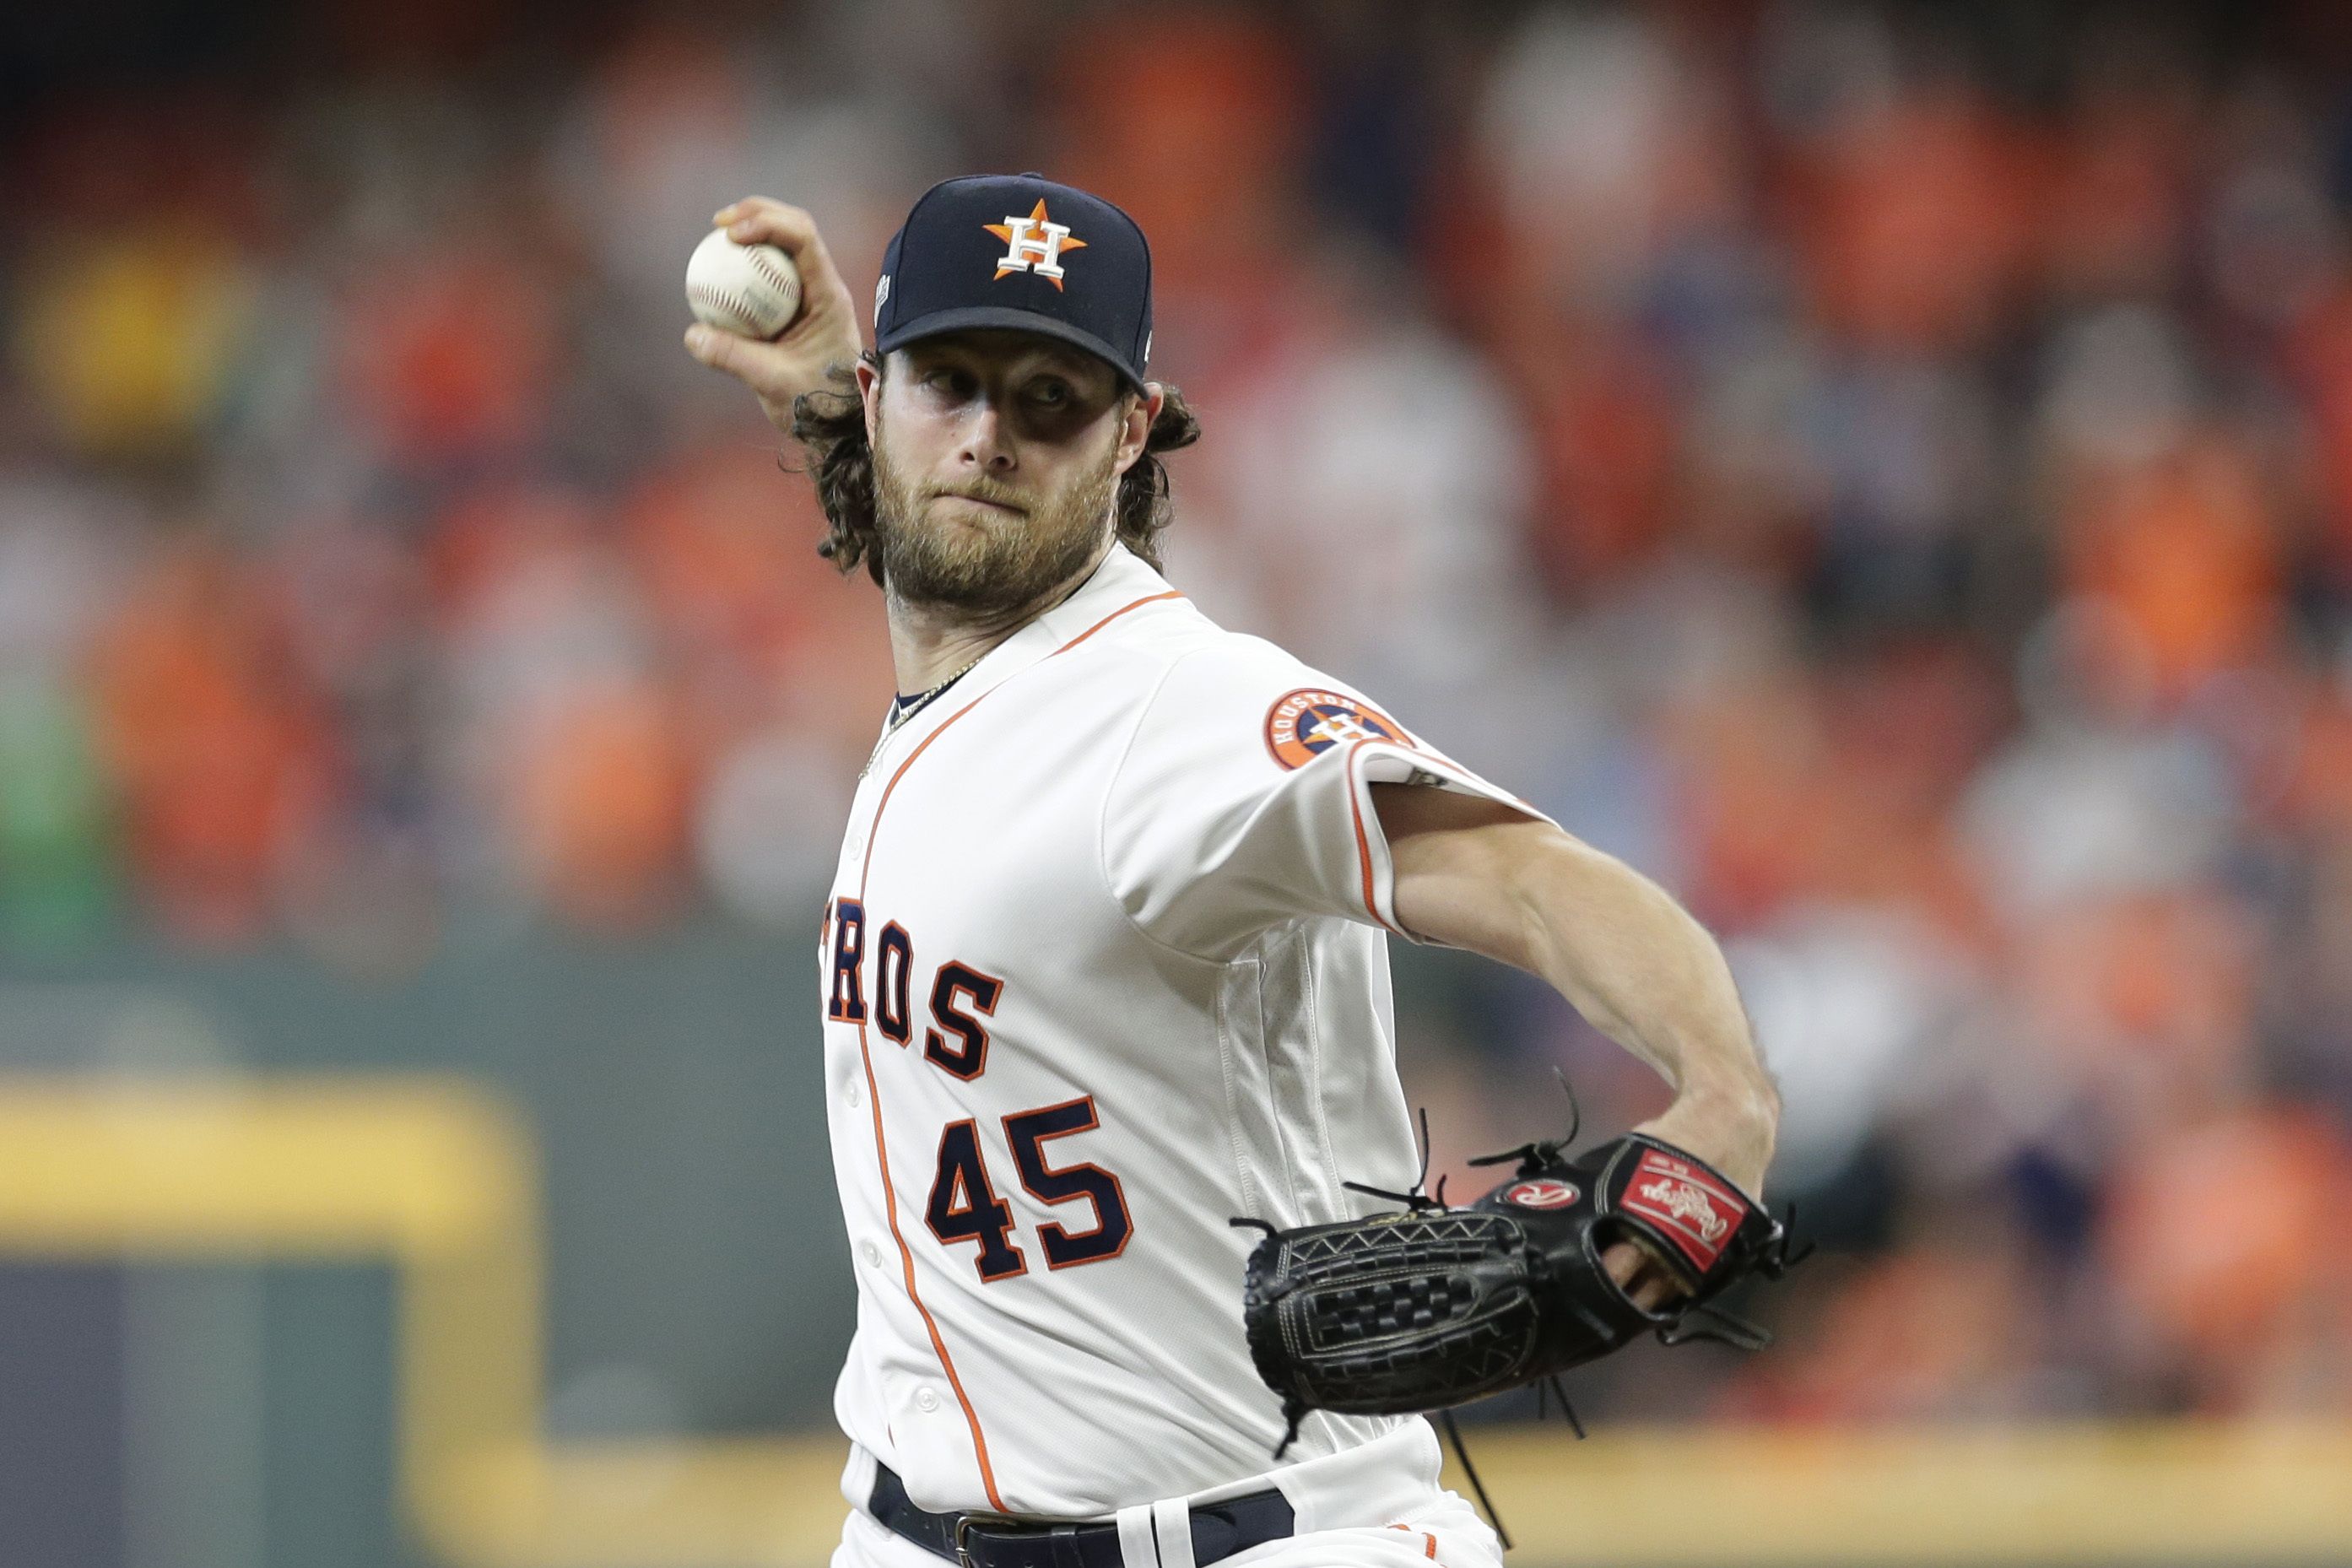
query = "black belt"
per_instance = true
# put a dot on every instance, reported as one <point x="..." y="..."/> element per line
<point x="986" y="1540"/>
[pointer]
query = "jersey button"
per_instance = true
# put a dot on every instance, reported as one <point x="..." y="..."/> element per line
<point x="926" y="1401"/>
<point x="854" y="1098"/>
<point x="871" y="1253"/>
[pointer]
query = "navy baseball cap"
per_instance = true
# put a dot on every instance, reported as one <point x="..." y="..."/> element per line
<point x="1024" y="252"/>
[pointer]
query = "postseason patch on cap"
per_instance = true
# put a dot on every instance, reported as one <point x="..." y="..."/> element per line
<point x="1302" y="724"/>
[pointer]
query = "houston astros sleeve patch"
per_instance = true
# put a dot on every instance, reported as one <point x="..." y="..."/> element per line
<point x="1305" y="723"/>
<point x="1245" y="800"/>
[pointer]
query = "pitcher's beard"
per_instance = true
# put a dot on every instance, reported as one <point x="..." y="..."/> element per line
<point x="992" y="570"/>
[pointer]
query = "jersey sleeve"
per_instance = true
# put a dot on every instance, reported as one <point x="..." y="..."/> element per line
<point x="1243" y="800"/>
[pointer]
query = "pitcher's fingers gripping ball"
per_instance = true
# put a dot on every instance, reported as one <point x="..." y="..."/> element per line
<point x="753" y="291"/>
<point x="813" y="347"/>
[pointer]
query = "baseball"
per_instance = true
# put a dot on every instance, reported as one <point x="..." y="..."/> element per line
<point x="753" y="289"/>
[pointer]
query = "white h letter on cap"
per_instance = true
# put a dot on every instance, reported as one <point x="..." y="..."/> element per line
<point x="1024" y="250"/>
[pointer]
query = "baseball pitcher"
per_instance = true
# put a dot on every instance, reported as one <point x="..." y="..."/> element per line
<point x="1104" y="966"/>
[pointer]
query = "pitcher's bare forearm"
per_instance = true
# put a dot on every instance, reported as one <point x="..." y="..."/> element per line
<point x="1479" y="875"/>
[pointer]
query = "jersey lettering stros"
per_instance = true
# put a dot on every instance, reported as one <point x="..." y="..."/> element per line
<point x="1103" y="967"/>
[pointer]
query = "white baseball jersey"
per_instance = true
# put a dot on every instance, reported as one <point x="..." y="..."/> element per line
<point x="1104" y="967"/>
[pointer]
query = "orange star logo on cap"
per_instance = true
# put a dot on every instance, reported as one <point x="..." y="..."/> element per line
<point x="1032" y="244"/>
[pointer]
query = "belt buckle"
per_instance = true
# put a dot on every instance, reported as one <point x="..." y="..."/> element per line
<point x="964" y="1524"/>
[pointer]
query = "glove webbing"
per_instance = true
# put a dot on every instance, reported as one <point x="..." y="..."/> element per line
<point x="1695" y="1320"/>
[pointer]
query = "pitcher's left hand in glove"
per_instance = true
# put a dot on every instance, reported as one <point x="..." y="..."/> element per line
<point x="1436" y="1306"/>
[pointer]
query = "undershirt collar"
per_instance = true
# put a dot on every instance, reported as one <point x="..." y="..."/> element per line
<point x="903" y="707"/>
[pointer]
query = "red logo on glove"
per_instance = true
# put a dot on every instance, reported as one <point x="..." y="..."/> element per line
<point x="1543" y="1193"/>
<point x="1697" y="1212"/>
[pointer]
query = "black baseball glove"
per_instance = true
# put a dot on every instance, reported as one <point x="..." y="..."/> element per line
<point x="1438" y="1306"/>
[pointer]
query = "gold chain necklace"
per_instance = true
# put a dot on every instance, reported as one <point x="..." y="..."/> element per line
<point x="901" y="715"/>
<point x="902" y="712"/>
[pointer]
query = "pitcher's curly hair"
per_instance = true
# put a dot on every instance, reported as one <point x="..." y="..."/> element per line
<point x="830" y="423"/>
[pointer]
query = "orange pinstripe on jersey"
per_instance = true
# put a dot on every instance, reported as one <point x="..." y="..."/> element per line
<point x="874" y="1089"/>
<point x="1132" y="605"/>
<point x="1363" y="842"/>
<point x="1429" y="1551"/>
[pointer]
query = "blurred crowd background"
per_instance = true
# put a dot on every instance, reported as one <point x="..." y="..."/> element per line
<point x="1884" y="470"/>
